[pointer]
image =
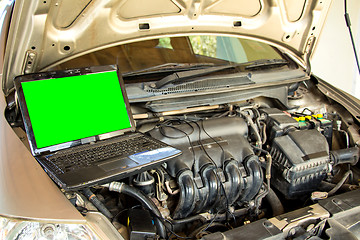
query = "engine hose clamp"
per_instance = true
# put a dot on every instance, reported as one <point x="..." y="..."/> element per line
<point x="116" y="186"/>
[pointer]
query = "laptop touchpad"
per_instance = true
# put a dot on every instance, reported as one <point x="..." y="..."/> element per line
<point x="117" y="164"/>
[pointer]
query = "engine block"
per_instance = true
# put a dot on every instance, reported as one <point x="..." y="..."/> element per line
<point x="218" y="166"/>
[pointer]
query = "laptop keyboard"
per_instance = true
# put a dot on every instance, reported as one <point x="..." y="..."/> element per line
<point x="92" y="154"/>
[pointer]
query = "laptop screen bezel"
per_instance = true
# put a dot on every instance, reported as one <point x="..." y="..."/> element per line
<point x="60" y="74"/>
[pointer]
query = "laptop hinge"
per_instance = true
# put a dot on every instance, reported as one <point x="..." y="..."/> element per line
<point x="88" y="140"/>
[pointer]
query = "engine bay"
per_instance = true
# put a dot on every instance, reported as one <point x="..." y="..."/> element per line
<point x="241" y="163"/>
<point x="257" y="146"/>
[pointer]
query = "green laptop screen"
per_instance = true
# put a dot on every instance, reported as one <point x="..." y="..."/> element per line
<point x="71" y="108"/>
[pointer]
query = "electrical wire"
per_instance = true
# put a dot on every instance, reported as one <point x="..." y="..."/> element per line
<point x="264" y="136"/>
<point x="203" y="148"/>
<point x="223" y="153"/>
<point x="254" y="129"/>
<point x="220" y="115"/>
<point x="202" y="228"/>
<point x="171" y="230"/>
<point x="122" y="211"/>
<point x="187" y="135"/>
<point x="163" y="220"/>
<point x="262" y="130"/>
<point x="222" y="149"/>
<point x="211" y="222"/>
<point x="348" y="24"/>
<point x="260" y="196"/>
<point x="340" y="183"/>
<point x="257" y="117"/>
<point x="213" y="162"/>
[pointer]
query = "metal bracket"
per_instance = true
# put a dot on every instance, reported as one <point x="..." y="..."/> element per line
<point x="29" y="62"/>
<point x="288" y="221"/>
<point x="308" y="50"/>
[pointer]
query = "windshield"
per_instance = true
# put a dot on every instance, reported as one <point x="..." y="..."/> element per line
<point x="212" y="50"/>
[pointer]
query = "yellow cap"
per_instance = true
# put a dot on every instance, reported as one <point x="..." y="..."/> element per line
<point x="302" y="119"/>
<point x="297" y="119"/>
<point x="308" y="117"/>
<point x="319" y="116"/>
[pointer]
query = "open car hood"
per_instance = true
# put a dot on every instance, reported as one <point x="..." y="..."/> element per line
<point x="46" y="33"/>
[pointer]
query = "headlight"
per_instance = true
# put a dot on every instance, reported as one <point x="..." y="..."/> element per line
<point x="31" y="230"/>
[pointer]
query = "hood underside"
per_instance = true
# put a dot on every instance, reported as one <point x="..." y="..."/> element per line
<point x="46" y="33"/>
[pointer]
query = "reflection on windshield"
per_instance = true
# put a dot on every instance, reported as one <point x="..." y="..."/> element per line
<point x="215" y="50"/>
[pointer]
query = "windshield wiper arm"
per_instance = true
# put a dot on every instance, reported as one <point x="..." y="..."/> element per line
<point x="265" y="62"/>
<point x="183" y="75"/>
<point x="166" y="67"/>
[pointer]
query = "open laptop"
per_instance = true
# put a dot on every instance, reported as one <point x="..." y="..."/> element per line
<point x="80" y="127"/>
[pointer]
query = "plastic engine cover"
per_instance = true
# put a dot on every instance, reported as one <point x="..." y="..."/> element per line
<point x="300" y="162"/>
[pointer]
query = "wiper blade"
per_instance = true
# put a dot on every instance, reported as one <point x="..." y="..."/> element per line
<point x="184" y="75"/>
<point x="166" y="67"/>
<point x="265" y="63"/>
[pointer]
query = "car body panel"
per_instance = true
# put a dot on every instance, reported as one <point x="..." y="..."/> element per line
<point x="46" y="33"/>
<point x="26" y="190"/>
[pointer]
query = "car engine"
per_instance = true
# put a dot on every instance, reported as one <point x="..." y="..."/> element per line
<point x="241" y="163"/>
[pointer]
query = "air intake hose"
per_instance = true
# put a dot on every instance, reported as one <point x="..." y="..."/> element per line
<point x="347" y="155"/>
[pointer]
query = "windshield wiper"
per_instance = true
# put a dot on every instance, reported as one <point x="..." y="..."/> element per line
<point x="185" y="75"/>
<point x="265" y="63"/>
<point x="167" y="67"/>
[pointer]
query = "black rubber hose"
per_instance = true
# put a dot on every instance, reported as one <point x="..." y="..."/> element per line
<point x="219" y="217"/>
<point x="326" y="187"/>
<point x="347" y="155"/>
<point x="144" y="200"/>
<point x="236" y="213"/>
<point x="188" y="219"/>
<point x="275" y="203"/>
<point x="97" y="203"/>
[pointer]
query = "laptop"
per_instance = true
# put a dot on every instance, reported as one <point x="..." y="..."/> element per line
<point x="80" y="127"/>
